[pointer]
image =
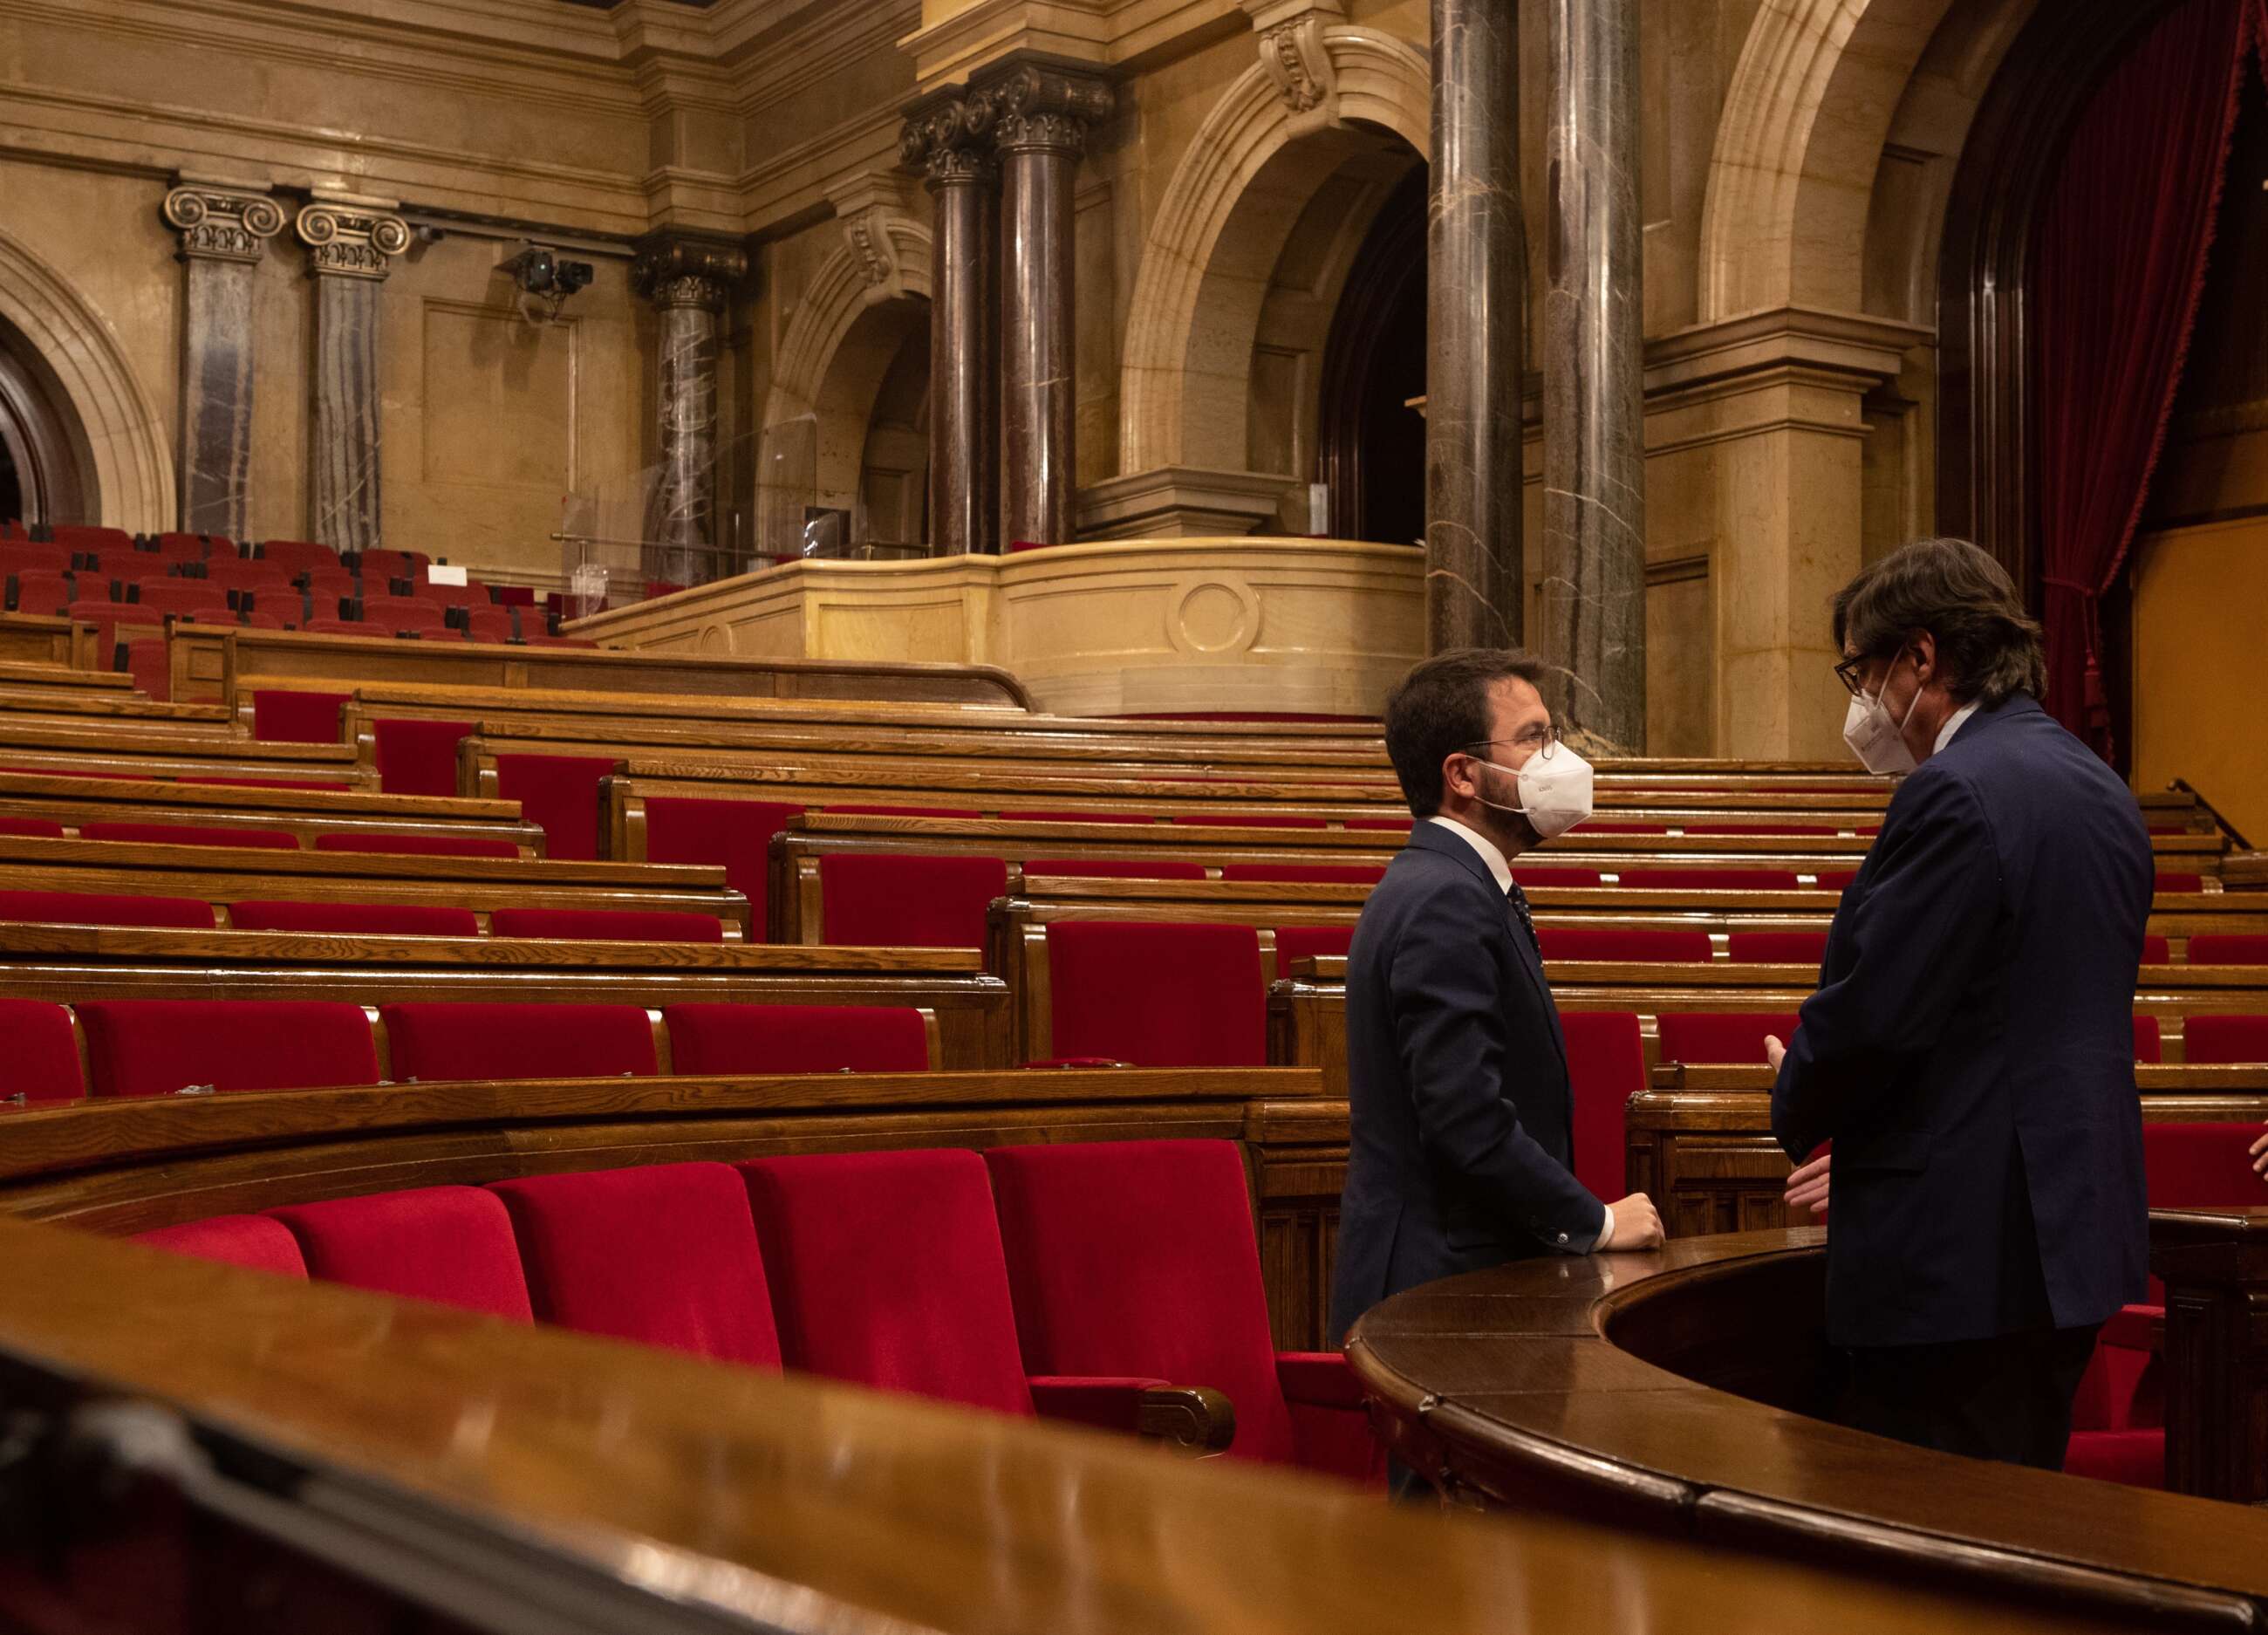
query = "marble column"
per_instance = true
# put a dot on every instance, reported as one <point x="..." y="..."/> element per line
<point x="1476" y="300"/>
<point x="1043" y="119"/>
<point x="689" y="280"/>
<point x="950" y="140"/>
<point x="351" y="243"/>
<point x="1593" y="598"/>
<point x="224" y="231"/>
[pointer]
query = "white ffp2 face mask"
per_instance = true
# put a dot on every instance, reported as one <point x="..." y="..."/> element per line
<point x="1873" y="737"/>
<point x="1554" y="790"/>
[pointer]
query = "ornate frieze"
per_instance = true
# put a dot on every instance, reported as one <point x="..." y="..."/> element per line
<point x="350" y="239"/>
<point x="950" y="141"/>
<point x="675" y="272"/>
<point x="1045" y="110"/>
<point x="222" y="224"/>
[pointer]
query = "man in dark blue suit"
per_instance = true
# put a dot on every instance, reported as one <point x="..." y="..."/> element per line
<point x="1456" y="1071"/>
<point x="1971" y="1048"/>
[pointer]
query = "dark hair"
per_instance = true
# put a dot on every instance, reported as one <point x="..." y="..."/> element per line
<point x="1987" y="644"/>
<point x="1442" y="706"/>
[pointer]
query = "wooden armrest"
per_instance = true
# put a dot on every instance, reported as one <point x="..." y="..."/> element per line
<point x="1190" y="1419"/>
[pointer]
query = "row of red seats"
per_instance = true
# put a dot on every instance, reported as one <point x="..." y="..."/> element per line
<point x="1062" y="1280"/>
<point x="359" y="919"/>
<point x="271" y="839"/>
<point x="273" y="605"/>
<point x="159" y="1046"/>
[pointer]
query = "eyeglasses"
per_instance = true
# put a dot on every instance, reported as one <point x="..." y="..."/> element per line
<point x="1539" y="740"/>
<point x="1850" y="670"/>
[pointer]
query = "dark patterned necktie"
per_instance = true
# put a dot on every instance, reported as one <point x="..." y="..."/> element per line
<point x="1519" y="901"/>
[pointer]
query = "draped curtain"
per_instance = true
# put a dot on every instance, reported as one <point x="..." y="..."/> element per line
<point x="2117" y="267"/>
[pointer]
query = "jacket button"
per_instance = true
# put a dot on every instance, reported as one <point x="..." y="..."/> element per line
<point x="1563" y="1237"/>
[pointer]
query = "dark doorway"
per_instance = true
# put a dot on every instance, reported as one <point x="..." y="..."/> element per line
<point x="41" y="465"/>
<point x="1370" y="444"/>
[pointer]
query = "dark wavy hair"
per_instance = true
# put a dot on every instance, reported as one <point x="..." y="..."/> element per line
<point x="1989" y="645"/>
<point x="1442" y="706"/>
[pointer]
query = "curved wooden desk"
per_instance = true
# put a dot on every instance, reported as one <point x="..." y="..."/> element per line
<point x="1675" y="1392"/>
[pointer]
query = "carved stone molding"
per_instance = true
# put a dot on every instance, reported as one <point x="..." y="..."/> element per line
<point x="1045" y="110"/>
<point x="1297" y="60"/>
<point x="219" y="222"/>
<point x="672" y="270"/>
<point x="950" y="141"/>
<point x="874" y="209"/>
<point x="351" y="239"/>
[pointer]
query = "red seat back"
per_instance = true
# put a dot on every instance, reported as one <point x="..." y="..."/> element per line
<point x="253" y="1242"/>
<point x="40" y="1061"/>
<point x="1530" y="879"/>
<point x="419" y="845"/>
<point x="518" y="1041"/>
<point x="738" y="834"/>
<point x="1158" y="995"/>
<point x="1606" y="1066"/>
<point x="1349" y="873"/>
<point x="190" y="835"/>
<point x="2156" y="950"/>
<point x="453" y="1245"/>
<point x="160" y="597"/>
<point x="80" y="908"/>
<point x="723" y="1039"/>
<point x="666" y="1255"/>
<point x="42" y="591"/>
<point x="1586" y="942"/>
<point x="560" y="794"/>
<point x="2200" y="1166"/>
<point x="1310" y="942"/>
<point x="872" y="900"/>
<point x="1137" y="1258"/>
<point x="155" y="1046"/>
<point x="1113" y="868"/>
<point x="2148" y="1046"/>
<point x="1250" y="820"/>
<point x="2172" y="882"/>
<point x="299" y="555"/>
<point x="607" y="924"/>
<point x="418" y="757"/>
<point x="1720" y="1036"/>
<point x="1778" y="947"/>
<point x="1711" y="879"/>
<point x="357" y="919"/>
<point x="31" y="828"/>
<point x="2225" y="1039"/>
<point x="2226" y="949"/>
<point x="286" y="717"/>
<point x="886" y="1269"/>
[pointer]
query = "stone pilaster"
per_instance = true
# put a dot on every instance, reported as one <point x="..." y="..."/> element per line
<point x="224" y="231"/>
<point x="689" y="280"/>
<point x="1592" y="607"/>
<point x="948" y="138"/>
<point x="351" y="243"/>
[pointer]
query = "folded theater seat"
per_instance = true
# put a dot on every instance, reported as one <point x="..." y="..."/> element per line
<point x="1614" y="943"/>
<point x="357" y="919"/>
<point x="889" y="899"/>
<point x="1720" y="1036"/>
<point x="606" y="925"/>
<point x="451" y="1245"/>
<point x="439" y="1041"/>
<point x="1157" y="995"/>
<point x="158" y="1047"/>
<point x="40" y="1063"/>
<point x="86" y="908"/>
<point x="747" y="1039"/>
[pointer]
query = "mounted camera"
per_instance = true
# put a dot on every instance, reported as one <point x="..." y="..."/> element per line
<point x="545" y="279"/>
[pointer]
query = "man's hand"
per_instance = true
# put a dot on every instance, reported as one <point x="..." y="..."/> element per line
<point x="1638" y="1224"/>
<point x="2259" y="1167"/>
<point x="1807" y="1188"/>
<point x="1775" y="1052"/>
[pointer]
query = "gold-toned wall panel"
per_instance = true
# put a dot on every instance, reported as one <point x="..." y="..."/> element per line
<point x="2200" y="626"/>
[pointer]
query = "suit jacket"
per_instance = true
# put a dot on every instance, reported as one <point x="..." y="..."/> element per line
<point x="1971" y="1047"/>
<point x="1457" y="1085"/>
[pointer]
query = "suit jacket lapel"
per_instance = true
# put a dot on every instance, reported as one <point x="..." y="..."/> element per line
<point x="1428" y="836"/>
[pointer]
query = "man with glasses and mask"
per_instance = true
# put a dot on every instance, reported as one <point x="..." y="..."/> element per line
<point x="1971" y="1048"/>
<point x="1456" y="1071"/>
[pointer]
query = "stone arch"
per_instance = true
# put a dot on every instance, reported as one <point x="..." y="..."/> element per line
<point x="1225" y="216"/>
<point x="125" y="471"/>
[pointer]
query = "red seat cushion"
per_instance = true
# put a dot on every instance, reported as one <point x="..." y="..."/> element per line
<point x="1711" y="879"/>
<point x="933" y="812"/>
<point x="886" y="1269"/>
<point x="736" y="832"/>
<point x="267" y="783"/>
<point x="357" y="919"/>
<point x="1112" y="868"/>
<point x="1530" y="879"/>
<point x="2156" y="950"/>
<point x="2226" y="949"/>
<point x="1036" y="815"/>
<point x="160" y="597"/>
<point x="40" y="1061"/>
<point x="560" y="794"/>
<point x="2179" y="882"/>
<point x="1608" y="942"/>
<point x="1310" y="942"/>
<point x="31" y="828"/>
<point x="1158" y="995"/>
<point x="189" y="835"/>
<point x="1137" y="1258"/>
<point x="449" y="1244"/>
<point x="2220" y="1040"/>
<point x="718" y="1039"/>
<point x="81" y="908"/>
<point x="1250" y="820"/>
<point x="1836" y="880"/>
<point x="419" y="845"/>
<point x="418" y="757"/>
<point x="287" y="717"/>
<point x="155" y="1046"/>
<point x="2200" y="1166"/>
<point x="1349" y="873"/>
<point x="1760" y="829"/>
<point x="1387" y="825"/>
<point x="666" y="1255"/>
<point x="1721" y="1036"/>
<point x="2135" y="1457"/>
<point x="518" y="1041"/>
<point x="1778" y="947"/>
<point x="1606" y="1066"/>
<point x="607" y="924"/>
<point x="253" y="1242"/>
<point x="875" y="900"/>
<point x="2148" y="1046"/>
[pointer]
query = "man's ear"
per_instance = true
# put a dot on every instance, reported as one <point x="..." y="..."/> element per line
<point x="1925" y="651"/>
<point x="1449" y="781"/>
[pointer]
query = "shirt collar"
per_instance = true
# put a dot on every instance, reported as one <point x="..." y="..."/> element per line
<point x="1953" y="724"/>
<point x="1500" y="870"/>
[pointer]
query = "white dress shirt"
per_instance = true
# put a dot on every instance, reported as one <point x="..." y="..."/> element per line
<point x="1953" y="724"/>
<point x="1499" y="868"/>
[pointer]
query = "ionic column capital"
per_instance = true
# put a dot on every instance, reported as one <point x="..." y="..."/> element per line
<point x="221" y="223"/>
<point x="350" y="238"/>
<point x="1046" y="110"/>
<point x="675" y="270"/>
<point x="949" y="139"/>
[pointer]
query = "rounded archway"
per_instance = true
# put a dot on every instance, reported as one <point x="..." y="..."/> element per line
<point x="42" y="446"/>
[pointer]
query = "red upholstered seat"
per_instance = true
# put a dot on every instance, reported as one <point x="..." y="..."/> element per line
<point x="2156" y="951"/>
<point x="1383" y="825"/>
<point x="21" y="556"/>
<point x="397" y="613"/>
<point x="736" y="832"/>
<point x="357" y="919"/>
<point x="268" y="782"/>
<point x="344" y="626"/>
<point x="1712" y="879"/>
<point x="559" y="793"/>
<point x="873" y="900"/>
<point x="518" y="1041"/>
<point x="1720" y="1036"/>
<point x="235" y="574"/>
<point x="2178" y="883"/>
<point x="419" y="845"/>
<point x="82" y="536"/>
<point x="1112" y="868"/>
<point x="83" y="908"/>
<point x="1251" y="820"/>
<point x="1158" y="995"/>
<point x="31" y="828"/>
<point x="2148" y="1046"/>
<point x="1137" y="1258"/>
<point x="796" y="1039"/>
<point x="391" y="565"/>
<point x="418" y="757"/>
<point x="1760" y="829"/>
<point x="666" y="1255"/>
<point x="2225" y="1039"/>
<point x="1585" y="942"/>
<point x="1606" y="1066"/>
<point x="40" y="1060"/>
<point x="1836" y="880"/>
<point x="160" y="597"/>
<point x="172" y="548"/>
<point x="607" y="924"/>
<point x="1778" y="947"/>
<point x="2226" y="949"/>
<point x="190" y="835"/>
<point x="494" y="625"/>
<point x="1530" y="879"/>
<point x="933" y="812"/>
<point x="155" y="1046"/>
<point x="453" y="1245"/>
<point x="2201" y="1165"/>
<point x="43" y="591"/>
<point x="1613" y="825"/>
<point x="253" y="1242"/>
<point x="1310" y="942"/>
<point x="1351" y="873"/>
<point x="886" y="1269"/>
<point x="297" y="555"/>
<point x="1037" y="816"/>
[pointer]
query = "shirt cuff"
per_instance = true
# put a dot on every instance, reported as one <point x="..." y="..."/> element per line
<point x="1606" y="1232"/>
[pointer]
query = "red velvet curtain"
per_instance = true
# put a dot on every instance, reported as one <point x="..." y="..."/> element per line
<point x="2117" y="267"/>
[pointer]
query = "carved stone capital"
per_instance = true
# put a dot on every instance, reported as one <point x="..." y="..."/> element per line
<point x="1297" y="60"/>
<point x="1046" y="110"/>
<point x="672" y="270"/>
<point x="222" y="224"/>
<point x="869" y="206"/>
<point x="348" y="239"/>
<point x="950" y="141"/>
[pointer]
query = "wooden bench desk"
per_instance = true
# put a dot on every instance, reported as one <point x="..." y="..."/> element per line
<point x="305" y="813"/>
<point x="36" y="638"/>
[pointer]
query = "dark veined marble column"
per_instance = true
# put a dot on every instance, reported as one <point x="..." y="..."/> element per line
<point x="950" y="140"/>
<point x="1043" y="116"/>
<point x="351" y="245"/>
<point x="1477" y="294"/>
<point x="1594" y="601"/>
<point x="690" y="280"/>
<point x="224" y="231"/>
